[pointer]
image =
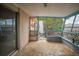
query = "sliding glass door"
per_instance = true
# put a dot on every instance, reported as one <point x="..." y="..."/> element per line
<point x="7" y="31"/>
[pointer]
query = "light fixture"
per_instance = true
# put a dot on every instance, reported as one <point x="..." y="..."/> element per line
<point x="45" y="4"/>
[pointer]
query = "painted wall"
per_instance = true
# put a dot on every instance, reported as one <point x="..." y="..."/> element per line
<point x="24" y="29"/>
<point x="53" y="9"/>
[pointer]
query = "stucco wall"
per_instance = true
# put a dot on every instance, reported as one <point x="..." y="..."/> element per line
<point x="24" y="29"/>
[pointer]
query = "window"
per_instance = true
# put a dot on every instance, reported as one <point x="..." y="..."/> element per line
<point x="75" y="30"/>
<point x="2" y="22"/>
<point x="71" y="29"/>
<point x="67" y="28"/>
<point x="76" y="24"/>
<point x="68" y="24"/>
<point x="8" y="21"/>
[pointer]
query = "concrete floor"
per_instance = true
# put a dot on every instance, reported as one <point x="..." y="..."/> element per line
<point x="45" y="48"/>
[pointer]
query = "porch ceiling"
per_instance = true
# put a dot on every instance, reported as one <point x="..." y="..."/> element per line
<point x="52" y="9"/>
